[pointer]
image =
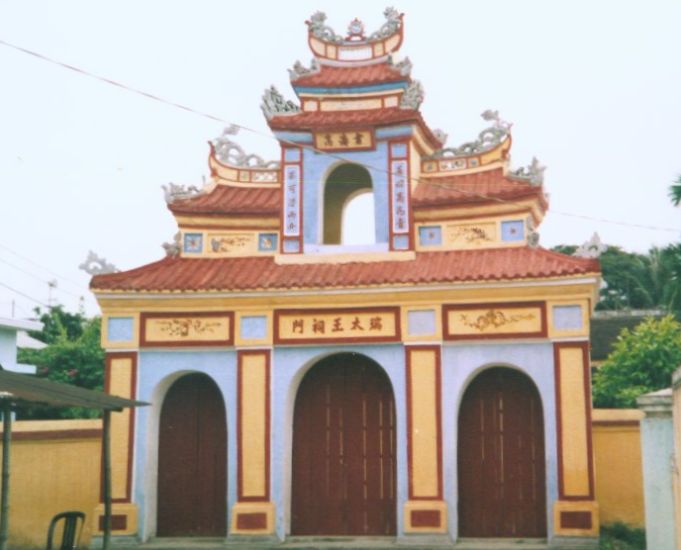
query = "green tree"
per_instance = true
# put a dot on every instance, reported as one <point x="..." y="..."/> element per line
<point x="675" y="192"/>
<point x="73" y="356"/>
<point x="642" y="361"/>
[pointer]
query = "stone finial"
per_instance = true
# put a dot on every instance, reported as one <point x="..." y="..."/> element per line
<point x="404" y="66"/>
<point x="533" y="174"/>
<point x="319" y="29"/>
<point x="412" y="96"/>
<point x="273" y="104"/>
<point x="592" y="248"/>
<point x="300" y="70"/>
<point x="393" y="21"/>
<point x="96" y="265"/>
<point x="175" y="191"/>
<point x="174" y="247"/>
<point x="230" y="152"/>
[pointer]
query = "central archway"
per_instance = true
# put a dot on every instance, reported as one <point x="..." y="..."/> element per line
<point x="502" y="483"/>
<point x="344" y="453"/>
<point x="192" y="460"/>
<point x="344" y="185"/>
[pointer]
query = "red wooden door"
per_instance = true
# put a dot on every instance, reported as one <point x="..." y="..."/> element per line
<point x="344" y="450"/>
<point x="501" y="457"/>
<point x="192" y="460"/>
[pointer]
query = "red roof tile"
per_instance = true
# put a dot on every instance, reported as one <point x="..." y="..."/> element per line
<point x="236" y="274"/>
<point x="351" y="76"/>
<point x="332" y="120"/>
<point x="476" y="187"/>
<point x="224" y="199"/>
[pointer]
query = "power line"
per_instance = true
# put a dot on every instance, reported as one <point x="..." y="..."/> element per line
<point x="25" y="295"/>
<point x="307" y="147"/>
<point x="37" y="277"/>
<point x="29" y="260"/>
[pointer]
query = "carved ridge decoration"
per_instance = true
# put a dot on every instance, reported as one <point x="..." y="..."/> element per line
<point x="230" y="152"/>
<point x="319" y="29"/>
<point x="187" y="329"/>
<point x="274" y="104"/>
<point x="487" y="140"/>
<point x="494" y="318"/>
<point x="501" y="320"/>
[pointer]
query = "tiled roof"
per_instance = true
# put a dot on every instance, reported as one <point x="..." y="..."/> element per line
<point x="338" y="120"/>
<point x="224" y="199"/>
<point x="351" y="76"/>
<point x="252" y="273"/>
<point x="476" y="187"/>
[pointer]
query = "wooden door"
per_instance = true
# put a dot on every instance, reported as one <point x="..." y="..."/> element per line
<point x="192" y="460"/>
<point x="344" y="450"/>
<point x="501" y="457"/>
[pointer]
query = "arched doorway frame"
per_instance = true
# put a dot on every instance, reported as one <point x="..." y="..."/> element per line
<point x="388" y="358"/>
<point x="322" y="205"/>
<point x="547" y="400"/>
<point x="150" y="482"/>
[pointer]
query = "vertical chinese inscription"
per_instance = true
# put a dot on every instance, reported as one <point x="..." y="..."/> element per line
<point x="400" y="196"/>
<point x="292" y="200"/>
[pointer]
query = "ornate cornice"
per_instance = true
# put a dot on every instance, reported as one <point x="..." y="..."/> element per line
<point x="273" y="104"/>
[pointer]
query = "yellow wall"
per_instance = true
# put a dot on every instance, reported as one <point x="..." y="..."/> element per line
<point x="617" y="454"/>
<point x="52" y="474"/>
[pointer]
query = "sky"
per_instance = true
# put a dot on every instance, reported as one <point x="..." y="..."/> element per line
<point x="592" y="90"/>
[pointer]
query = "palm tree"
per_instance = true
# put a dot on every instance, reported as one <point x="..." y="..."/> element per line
<point x="675" y="192"/>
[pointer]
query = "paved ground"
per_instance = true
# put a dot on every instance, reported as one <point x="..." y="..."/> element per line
<point x="303" y="543"/>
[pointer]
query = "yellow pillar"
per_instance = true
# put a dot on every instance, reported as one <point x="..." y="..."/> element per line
<point x="253" y="514"/>
<point x="120" y="379"/>
<point x="426" y="510"/>
<point x="575" y="511"/>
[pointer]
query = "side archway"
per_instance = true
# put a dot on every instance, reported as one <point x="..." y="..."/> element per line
<point x="344" y="450"/>
<point x="501" y="458"/>
<point x="192" y="459"/>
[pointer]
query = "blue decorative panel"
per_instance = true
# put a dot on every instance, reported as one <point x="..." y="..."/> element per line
<point x="513" y="230"/>
<point x="398" y="150"/>
<point x="267" y="242"/>
<point x="567" y="317"/>
<point x="253" y="327"/>
<point x="421" y="322"/>
<point x="119" y="329"/>
<point x="401" y="242"/>
<point x="291" y="246"/>
<point x="292" y="155"/>
<point x="193" y="242"/>
<point x="430" y="235"/>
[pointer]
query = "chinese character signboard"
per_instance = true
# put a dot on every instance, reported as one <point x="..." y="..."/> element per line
<point x="334" y="325"/>
<point x="291" y="205"/>
<point x="355" y="140"/>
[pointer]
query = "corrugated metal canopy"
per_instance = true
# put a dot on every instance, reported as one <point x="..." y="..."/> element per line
<point x="22" y="388"/>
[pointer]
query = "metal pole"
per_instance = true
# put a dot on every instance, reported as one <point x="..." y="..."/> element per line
<point x="106" y="449"/>
<point x="4" y="499"/>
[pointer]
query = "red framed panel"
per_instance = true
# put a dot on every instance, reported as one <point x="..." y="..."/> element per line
<point x="144" y="342"/>
<point x="542" y="333"/>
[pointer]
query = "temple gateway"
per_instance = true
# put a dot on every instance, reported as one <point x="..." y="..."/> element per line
<point x="429" y="383"/>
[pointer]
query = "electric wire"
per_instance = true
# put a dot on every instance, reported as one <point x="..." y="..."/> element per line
<point x="24" y="295"/>
<point x="30" y="274"/>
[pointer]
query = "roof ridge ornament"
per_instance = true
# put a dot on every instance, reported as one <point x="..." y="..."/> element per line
<point x="404" y="67"/>
<point x="593" y="248"/>
<point x="230" y="152"/>
<point x="532" y="233"/>
<point x="174" y="247"/>
<point x="412" y="96"/>
<point x="274" y="104"/>
<point x="97" y="265"/>
<point x="487" y="140"/>
<point x="299" y="70"/>
<point x="319" y="29"/>
<point x="533" y="174"/>
<point x="175" y="191"/>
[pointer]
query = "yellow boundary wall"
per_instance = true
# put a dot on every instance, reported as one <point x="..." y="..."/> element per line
<point x="619" y="475"/>
<point x="55" y="467"/>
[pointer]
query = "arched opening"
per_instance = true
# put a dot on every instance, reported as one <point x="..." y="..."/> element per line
<point x="348" y="185"/>
<point x="192" y="460"/>
<point x="502" y="482"/>
<point x="344" y="450"/>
